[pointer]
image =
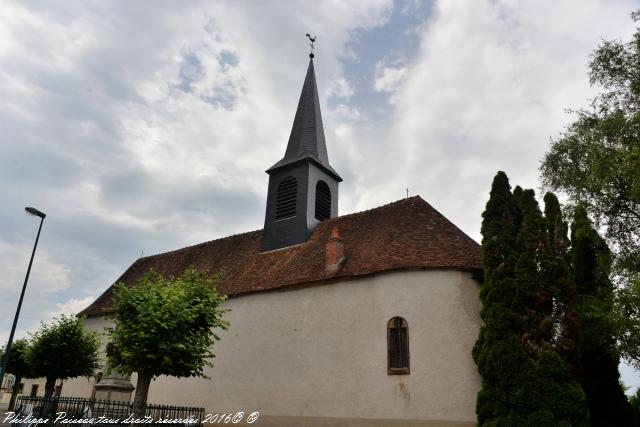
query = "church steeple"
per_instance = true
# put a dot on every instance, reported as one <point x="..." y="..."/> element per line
<point x="303" y="187"/>
<point x="307" y="134"/>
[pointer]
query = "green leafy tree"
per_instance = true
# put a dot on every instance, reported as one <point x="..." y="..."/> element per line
<point x="18" y="365"/>
<point x="596" y="161"/>
<point x="626" y="317"/>
<point x="608" y="404"/>
<point x="64" y="349"/>
<point x="165" y="326"/>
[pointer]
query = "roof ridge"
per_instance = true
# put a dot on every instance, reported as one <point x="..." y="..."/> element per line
<point x="377" y="208"/>
<point x="198" y="244"/>
<point x="403" y="200"/>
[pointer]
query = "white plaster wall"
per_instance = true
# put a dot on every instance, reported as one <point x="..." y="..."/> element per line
<point x="321" y="352"/>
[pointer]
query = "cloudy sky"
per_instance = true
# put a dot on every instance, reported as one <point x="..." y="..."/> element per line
<point x="142" y="127"/>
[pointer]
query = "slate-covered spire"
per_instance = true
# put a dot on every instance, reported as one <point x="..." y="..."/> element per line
<point x="307" y="134"/>
<point x="303" y="187"/>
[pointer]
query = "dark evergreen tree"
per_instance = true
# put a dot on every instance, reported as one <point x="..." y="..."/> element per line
<point x="525" y="382"/>
<point x="592" y="260"/>
<point x="558" y="275"/>
<point x="547" y="394"/>
<point x="498" y="352"/>
<point x="533" y="299"/>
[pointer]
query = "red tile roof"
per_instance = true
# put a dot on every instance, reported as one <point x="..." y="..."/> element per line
<point x="406" y="234"/>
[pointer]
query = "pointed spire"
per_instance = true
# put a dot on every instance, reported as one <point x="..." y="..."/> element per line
<point x="307" y="134"/>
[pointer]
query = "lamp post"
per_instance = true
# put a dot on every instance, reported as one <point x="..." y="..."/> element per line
<point x="5" y="359"/>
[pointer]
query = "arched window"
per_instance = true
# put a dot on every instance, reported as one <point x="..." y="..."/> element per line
<point x="323" y="201"/>
<point x="286" y="197"/>
<point x="397" y="346"/>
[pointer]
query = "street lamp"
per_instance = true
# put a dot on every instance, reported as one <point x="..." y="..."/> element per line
<point x="5" y="359"/>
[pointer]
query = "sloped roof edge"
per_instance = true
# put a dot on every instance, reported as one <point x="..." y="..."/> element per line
<point x="406" y="234"/>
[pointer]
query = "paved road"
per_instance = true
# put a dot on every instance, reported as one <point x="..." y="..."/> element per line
<point x="3" y="407"/>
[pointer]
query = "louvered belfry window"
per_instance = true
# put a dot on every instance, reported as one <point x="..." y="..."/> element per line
<point x="286" y="197"/>
<point x="323" y="201"/>
<point x="398" y="346"/>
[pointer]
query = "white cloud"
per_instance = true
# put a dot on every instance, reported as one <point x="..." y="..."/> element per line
<point x="344" y="112"/>
<point x="48" y="279"/>
<point x="72" y="306"/>
<point x="47" y="276"/>
<point x="388" y="79"/>
<point x="486" y="91"/>
<point x="138" y="131"/>
<point x="340" y="88"/>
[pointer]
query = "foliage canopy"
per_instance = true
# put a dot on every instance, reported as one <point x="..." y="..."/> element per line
<point x="63" y="350"/>
<point x="596" y="161"/>
<point x="165" y="326"/>
<point x="18" y="363"/>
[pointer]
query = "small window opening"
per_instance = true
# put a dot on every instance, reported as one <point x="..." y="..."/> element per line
<point x="397" y="346"/>
<point x="286" y="198"/>
<point x="323" y="201"/>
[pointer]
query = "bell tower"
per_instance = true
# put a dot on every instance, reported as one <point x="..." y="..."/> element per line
<point x="303" y="187"/>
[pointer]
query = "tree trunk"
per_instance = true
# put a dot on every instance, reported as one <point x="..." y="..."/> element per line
<point x="142" y="390"/>
<point x="49" y="387"/>
<point x="14" y="394"/>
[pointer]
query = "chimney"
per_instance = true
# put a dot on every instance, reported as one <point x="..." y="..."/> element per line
<point x="335" y="252"/>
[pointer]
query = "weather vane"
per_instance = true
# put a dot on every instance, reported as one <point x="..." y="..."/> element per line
<point x="313" y="40"/>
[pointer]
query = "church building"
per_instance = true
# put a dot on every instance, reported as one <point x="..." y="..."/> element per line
<point x="366" y="319"/>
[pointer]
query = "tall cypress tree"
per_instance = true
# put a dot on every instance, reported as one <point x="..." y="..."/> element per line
<point x="524" y="380"/>
<point x="592" y="258"/>
<point x="547" y="394"/>
<point x="562" y="286"/>
<point x="498" y="353"/>
<point x="534" y="301"/>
